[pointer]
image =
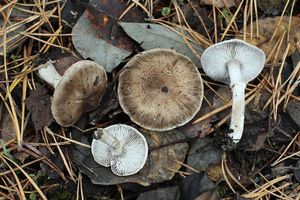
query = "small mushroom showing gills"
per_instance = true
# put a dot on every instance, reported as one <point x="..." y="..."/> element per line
<point x="122" y="147"/>
<point x="234" y="62"/>
<point x="78" y="91"/>
<point x="160" y="89"/>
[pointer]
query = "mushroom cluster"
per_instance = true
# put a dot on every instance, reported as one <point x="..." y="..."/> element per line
<point x="234" y="62"/>
<point x="121" y="147"/>
<point x="78" y="91"/>
<point x="160" y="89"/>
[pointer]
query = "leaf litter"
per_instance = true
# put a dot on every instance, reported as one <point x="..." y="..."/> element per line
<point x="246" y="170"/>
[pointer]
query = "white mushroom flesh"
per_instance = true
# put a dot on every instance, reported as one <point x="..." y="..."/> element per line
<point x="49" y="74"/>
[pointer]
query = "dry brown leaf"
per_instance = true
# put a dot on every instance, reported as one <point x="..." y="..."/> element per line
<point x="39" y="104"/>
<point x="209" y="195"/>
<point x="7" y="131"/>
<point x="214" y="172"/>
<point x="219" y="3"/>
<point x="266" y="29"/>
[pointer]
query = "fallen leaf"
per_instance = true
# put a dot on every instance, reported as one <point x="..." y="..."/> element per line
<point x="151" y="36"/>
<point x="297" y="171"/>
<point x="293" y="109"/>
<point x="192" y="17"/>
<point x="109" y="101"/>
<point x="160" y="166"/>
<point x="203" y="153"/>
<point x="273" y="7"/>
<point x="104" y="41"/>
<point x="209" y="195"/>
<point x="266" y="29"/>
<point x="7" y="131"/>
<point x="63" y="63"/>
<point x="214" y="172"/>
<point x="169" y="193"/>
<point x="39" y="105"/>
<point x="194" y="185"/>
<point x="219" y="3"/>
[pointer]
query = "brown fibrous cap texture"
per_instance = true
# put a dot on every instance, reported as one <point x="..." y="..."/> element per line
<point x="78" y="92"/>
<point x="160" y="89"/>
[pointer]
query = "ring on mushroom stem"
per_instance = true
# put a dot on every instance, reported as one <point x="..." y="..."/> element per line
<point x="78" y="91"/>
<point x="122" y="147"/>
<point x="160" y="89"/>
<point x="234" y="62"/>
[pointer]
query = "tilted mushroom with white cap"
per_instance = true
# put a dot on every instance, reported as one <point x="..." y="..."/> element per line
<point x="234" y="62"/>
<point x="160" y="89"/>
<point x="122" y="147"/>
<point x="78" y="91"/>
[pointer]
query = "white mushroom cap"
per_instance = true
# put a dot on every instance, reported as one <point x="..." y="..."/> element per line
<point x="234" y="62"/>
<point x="122" y="147"/>
<point x="215" y="58"/>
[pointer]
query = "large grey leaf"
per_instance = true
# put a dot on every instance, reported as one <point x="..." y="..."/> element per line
<point x="152" y="36"/>
<point x="87" y="42"/>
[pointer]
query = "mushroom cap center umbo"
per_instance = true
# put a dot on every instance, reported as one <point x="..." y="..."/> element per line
<point x="160" y="89"/>
<point x="161" y="86"/>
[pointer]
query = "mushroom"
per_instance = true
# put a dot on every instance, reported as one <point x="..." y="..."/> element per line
<point x="234" y="62"/>
<point x="78" y="91"/>
<point x="122" y="147"/>
<point x="160" y="89"/>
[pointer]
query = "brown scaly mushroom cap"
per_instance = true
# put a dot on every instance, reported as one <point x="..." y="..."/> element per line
<point x="78" y="91"/>
<point x="160" y="89"/>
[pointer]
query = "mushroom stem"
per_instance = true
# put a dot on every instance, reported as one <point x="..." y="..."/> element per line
<point x="49" y="74"/>
<point x="108" y="139"/>
<point x="238" y="86"/>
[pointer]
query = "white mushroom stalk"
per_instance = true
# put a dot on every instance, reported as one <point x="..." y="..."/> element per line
<point x="234" y="62"/>
<point x="49" y="74"/>
<point x="238" y="86"/>
<point x="108" y="139"/>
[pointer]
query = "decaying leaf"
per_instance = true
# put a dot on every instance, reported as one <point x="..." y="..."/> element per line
<point x="293" y="110"/>
<point x="204" y="152"/>
<point x="297" y="171"/>
<point x="219" y="3"/>
<point x="191" y="12"/>
<point x="192" y="186"/>
<point x="209" y="195"/>
<point x="273" y="7"/>
<point x="266" y="29"/>
<point x="39" y="105"/>
<point x="214" y="172"/>
<point x="160" y="166"/>
<point x="109" y="101"/>
<point x="151" y="36"/>
<point x="169" y="193"/>
<point x="63" y="63"/>
<point x="104" y="41"/>
<point x="7" y="131"/>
